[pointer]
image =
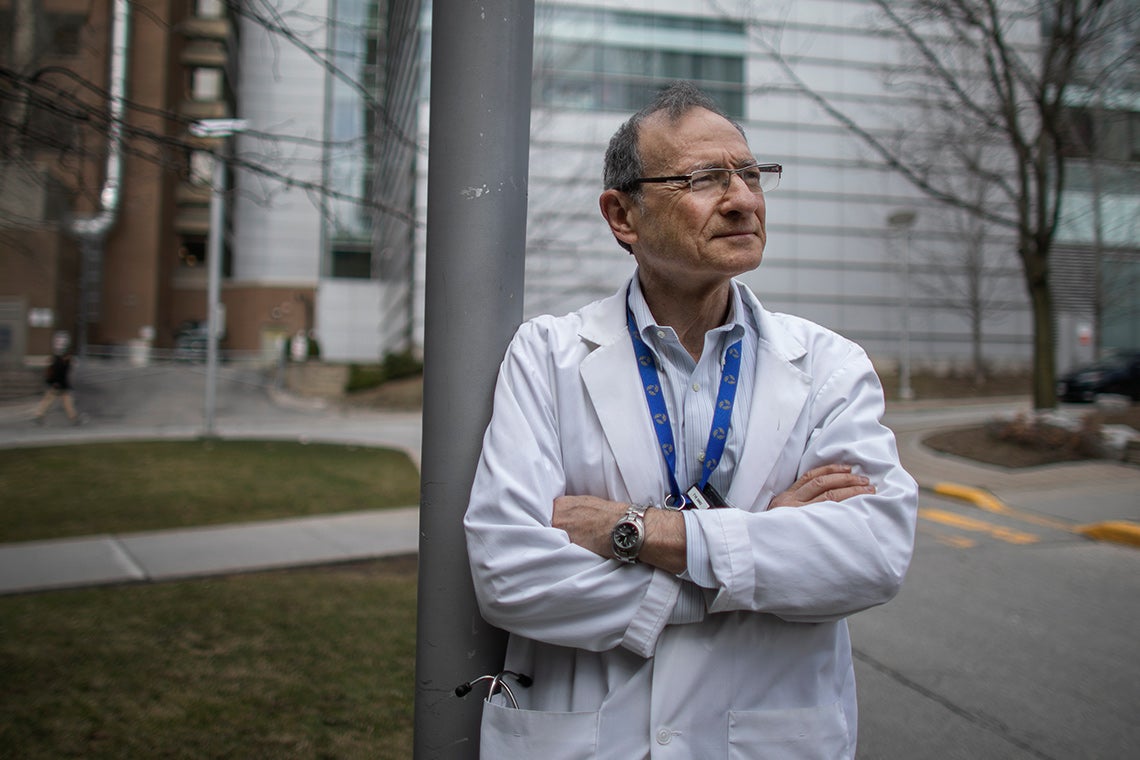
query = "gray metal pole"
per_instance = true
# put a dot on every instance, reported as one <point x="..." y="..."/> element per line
<point x="476" y="236"/>
<point x="214" y="247"/>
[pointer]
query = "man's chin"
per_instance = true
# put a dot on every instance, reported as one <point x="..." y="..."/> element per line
<point x="745" y="258"/>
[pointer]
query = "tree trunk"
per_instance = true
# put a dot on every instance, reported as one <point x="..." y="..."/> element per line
<point x="1036" y="268"/>
<point x="980" y="374"/>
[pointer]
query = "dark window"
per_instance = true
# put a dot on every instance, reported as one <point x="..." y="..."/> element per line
<point x="192" y="252"/>
<point x="60" y="34"/>
<point x="351" y="262"/>
<point x="1106" y="134"/>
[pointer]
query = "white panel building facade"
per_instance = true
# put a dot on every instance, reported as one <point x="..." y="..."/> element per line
<point x="833" y="254"/>
<point x="314" y="92"/>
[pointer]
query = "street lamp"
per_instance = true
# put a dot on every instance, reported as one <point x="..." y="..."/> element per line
<point x="215" y="128"/>
<point x="903" y="220"/>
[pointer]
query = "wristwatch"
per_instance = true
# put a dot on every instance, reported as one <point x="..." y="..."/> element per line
<point x="628" y="535"/>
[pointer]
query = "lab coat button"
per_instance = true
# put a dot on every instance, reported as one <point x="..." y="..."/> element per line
<point x="664" y="736"/>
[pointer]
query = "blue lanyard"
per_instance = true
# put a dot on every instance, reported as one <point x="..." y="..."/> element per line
<point x="654" y="396"/>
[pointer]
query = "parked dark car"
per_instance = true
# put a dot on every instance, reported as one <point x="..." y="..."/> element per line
<point x="1118" y="373"/>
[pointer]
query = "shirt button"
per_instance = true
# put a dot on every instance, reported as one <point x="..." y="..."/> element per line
<point x="664" y="736"/>
<point x="696" y="386"/>
<point x="661" y="334"/>
<point x="701" y="457"/>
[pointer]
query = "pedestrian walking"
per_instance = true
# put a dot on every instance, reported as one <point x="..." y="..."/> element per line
<point x="57" y="376"/>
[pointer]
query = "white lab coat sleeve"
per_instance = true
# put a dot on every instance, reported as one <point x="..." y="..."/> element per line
<point x="529" y="579"/>
<point x="823" y="561"/>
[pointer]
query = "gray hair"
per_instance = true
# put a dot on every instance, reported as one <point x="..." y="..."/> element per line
<point x="623" y="162"/>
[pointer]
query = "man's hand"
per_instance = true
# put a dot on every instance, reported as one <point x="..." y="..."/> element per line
<point x="831" y="482"/>
<point x="589" y="522"/>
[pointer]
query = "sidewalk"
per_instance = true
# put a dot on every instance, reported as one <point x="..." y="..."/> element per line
<point x="179" y="554"/>
<point x="166" y="402"/>
<point x="157" y="403"/>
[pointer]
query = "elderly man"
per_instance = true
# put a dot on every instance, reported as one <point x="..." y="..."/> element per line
<point x="681" y="495"/>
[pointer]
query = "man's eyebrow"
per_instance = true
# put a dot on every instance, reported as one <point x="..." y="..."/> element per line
<point x="718" y="165"/>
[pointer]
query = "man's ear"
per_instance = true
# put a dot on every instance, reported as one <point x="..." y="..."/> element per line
<point x="619" y="211"/>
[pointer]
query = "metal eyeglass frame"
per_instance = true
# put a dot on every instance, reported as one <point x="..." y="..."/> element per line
<point x="766" y="170"/>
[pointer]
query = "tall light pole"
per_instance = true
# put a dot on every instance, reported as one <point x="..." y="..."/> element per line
<point x="476" y="240"/>
<point x="903" y="220"/>
<point x="220" y="128"/>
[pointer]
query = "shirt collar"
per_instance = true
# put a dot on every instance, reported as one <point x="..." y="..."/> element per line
<point x="740" y="318"/>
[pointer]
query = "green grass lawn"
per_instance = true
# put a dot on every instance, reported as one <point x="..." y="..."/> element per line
<point x="314" y="663"/>
<point x="65" y="491"/>
<point x="300" y="664"/>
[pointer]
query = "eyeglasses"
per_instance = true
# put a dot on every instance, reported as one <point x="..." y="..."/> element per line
<point x="759" y="178"/>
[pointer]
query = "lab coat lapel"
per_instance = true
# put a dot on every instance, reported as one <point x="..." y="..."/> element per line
<point x="614" y="389"/>
<point x="780" y="393"/>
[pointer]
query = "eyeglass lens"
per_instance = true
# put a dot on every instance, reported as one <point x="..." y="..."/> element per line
<point x="706" y="180"/>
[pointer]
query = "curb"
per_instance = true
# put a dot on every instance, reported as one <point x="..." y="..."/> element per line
<point x="976" y="496"/>
<point x="1115" y="531"/>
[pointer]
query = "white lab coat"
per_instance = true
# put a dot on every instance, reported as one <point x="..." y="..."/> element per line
<point x="768" y="672"/>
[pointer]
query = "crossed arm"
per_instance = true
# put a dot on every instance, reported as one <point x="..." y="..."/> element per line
<point x="588" y="520"/>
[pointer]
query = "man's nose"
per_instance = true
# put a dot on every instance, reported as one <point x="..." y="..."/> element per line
<point x="739" y="196"/>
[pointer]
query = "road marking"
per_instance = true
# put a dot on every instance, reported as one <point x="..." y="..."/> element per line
<point x="1118" y="531"/>
<point x="990" y="503"/>
<point x="962" y="522"/>
<point x="957" y="542"/>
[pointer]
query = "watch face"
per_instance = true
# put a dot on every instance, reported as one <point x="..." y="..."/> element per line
<point x="626" y="536"/>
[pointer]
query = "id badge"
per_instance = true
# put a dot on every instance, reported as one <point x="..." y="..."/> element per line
<point x="705" y="498"/>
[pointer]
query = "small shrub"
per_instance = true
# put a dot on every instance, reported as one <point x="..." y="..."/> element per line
<point x="404" y="364"/>
<point x="361" y="377"/>
<point x="1084" y="440"/>
<point x="395" y="366"/>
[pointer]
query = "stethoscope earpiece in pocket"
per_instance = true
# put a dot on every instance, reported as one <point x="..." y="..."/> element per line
<point x="498" y="683"/>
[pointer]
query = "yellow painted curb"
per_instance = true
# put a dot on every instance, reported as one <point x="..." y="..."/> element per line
<point x="1117" y="531"/>
<point x="976" y="496"/>
<point x="990" y="503"/>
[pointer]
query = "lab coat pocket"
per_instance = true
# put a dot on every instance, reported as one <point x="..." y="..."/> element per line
<point x="807" y="733"/>
<point x="510" y="733"/>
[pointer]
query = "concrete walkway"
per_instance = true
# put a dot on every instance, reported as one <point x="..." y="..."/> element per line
<point x="149" y="403"/>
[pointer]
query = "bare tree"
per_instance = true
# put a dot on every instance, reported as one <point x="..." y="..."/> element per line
<point x="57" y="114"/>
<point x="991" y="79"/>
<point x="967" y="282"/>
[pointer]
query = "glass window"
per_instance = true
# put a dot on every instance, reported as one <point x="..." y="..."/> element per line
<point x="206" y="84"/>
<point x="617" y="60"/>
<point x="192" y="252"/>
<point x="63" y="33"/>
<point x="350" y="158"/>
<point x="201" y="167"/>
<point x="209" y="8"/>
<point x="1134" y="137"/>
<point x="351" y="262"/>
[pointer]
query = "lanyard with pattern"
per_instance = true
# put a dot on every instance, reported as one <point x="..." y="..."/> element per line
<point x="722" y="415"/>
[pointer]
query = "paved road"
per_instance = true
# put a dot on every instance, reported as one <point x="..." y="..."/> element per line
<point x="1014" y="637"/>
